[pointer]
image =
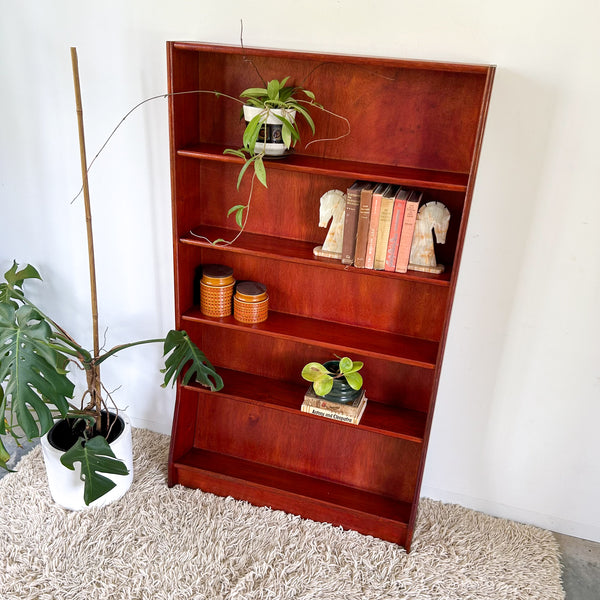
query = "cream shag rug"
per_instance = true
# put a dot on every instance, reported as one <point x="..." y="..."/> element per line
<point x="159" y="543"/>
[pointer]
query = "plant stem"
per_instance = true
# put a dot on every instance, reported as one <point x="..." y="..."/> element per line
<point x="94" y="378"/>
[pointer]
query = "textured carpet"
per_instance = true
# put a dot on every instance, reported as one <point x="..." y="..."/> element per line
<point x="159" y="543"/>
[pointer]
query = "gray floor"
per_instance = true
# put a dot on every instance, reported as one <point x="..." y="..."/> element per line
<point x="580" y="558"/>
<point x="581" y="568"/>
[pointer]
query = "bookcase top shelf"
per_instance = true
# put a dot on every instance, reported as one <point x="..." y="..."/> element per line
<point x="307" y="56"/>
<point x="293" y="251"/>
<point x="383" y="173"/>
<point x="336" y="336"/>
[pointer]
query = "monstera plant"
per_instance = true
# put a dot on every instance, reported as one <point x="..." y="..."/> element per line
<point x="36" y="358"/>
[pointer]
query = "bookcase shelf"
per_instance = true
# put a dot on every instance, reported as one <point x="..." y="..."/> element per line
<point x="417" y="124"/>
<point x="296" y="251"/>
<point x="393" y="420"/>
<point x="347" y="339"/>
<point x="410" y="177"/>
<point x="315" y="498"/>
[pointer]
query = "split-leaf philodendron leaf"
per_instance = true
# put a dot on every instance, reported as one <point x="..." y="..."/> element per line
<point x="183" y="356"/>
<point x="32" y="368"/>
<point x="96" y="457"/>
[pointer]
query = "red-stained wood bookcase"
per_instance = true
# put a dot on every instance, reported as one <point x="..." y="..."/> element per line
<point x="414" y="123"/>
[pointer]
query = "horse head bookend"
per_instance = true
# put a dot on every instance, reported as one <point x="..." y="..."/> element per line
<point x="332" y="206"/>
<point x="432" y="217"/>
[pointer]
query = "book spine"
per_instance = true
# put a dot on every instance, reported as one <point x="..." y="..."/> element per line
<point x="311" y="399"/>
<point x="373" y="227"/>
<point x="395" y="231"/>
<point x="350" y="225"/>
<point x="362" y="228"/>
<point x="383" y="232"/>
<point x="334" y="416"/>
<point x="408" y="229"/>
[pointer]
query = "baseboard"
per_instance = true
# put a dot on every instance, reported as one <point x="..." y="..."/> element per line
<point x="550" y="522"/>
<point x="151" y="425"/>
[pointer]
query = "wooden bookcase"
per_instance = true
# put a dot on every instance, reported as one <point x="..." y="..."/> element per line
<point x="419" y="124"/>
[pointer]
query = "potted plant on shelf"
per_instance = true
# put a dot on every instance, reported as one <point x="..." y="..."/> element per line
<point x="35" y="388"/>
<point x="335" y="380"/>
<point x="271" y="128"/>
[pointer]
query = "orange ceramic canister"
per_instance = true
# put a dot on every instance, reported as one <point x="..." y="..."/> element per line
<point x="216" y="290"/>
<point x="251" y="302"/>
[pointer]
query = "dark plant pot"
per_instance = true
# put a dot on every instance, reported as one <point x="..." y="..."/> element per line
<point x="66" y="432"/>
<point x="341" y="392"/>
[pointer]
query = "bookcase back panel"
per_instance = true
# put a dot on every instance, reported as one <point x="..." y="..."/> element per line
<point x="394" y="384"/>
<point x="321" y="448"/>
<point x="288" y="209"/>
<point x="428" y="118"/>
<point x="383" y="303"/>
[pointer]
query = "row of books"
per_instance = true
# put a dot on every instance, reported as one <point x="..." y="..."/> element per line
<point x="379" y="223"/>
<point x="346" y="413"/>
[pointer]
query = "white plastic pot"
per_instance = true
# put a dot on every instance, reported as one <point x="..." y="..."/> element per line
<point x="66" y="487"/>
<point x="273" y="144"/>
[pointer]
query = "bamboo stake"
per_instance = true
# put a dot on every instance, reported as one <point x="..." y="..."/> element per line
<point x="94" y="377"/>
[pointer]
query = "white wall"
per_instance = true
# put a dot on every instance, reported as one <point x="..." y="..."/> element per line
<point x="515" y="432"/>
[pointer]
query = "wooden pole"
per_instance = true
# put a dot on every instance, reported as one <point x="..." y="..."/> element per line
<point x="94" y="377"/>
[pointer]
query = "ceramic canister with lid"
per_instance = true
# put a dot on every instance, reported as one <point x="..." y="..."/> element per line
<point x="251" y="302"/>
<point x="216" y="290"/>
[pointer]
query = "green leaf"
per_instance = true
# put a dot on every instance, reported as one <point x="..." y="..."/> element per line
<point x="273" y="88"/>
<point x="312" y="370"/>
<point x="253" y="93"/>
<point x="32" y="367"/>
<point x="96" y="457"/>
<point x="252" y="132"/>
<point x="307" y="116"/>
<point x="349" y="366"/>
<point x="235" y="208"/>
<point x="323" y="384"/>
<point x="185" y="358"/>
<point x="4" y="457"/>
<point x="239" y="216"/>
<point x="239" y="153"/>
<point x="354" y="380"/>
<point x="309" y="94"/>
<point x="345" y="365"/>
<point x="16" y="278"/>
<point x="259" y="169"/>
<point x="243" y="170"/>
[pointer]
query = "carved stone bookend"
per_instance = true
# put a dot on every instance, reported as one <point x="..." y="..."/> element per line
<point x="432" y="217"/>
<point x="332" y="206"/>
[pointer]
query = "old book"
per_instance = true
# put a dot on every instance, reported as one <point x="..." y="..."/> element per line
<point x="374" y="225"/>
<point x="362" y="228"/>
<point x="351" y="221"/>
<point x="396" y="229"/>
<point x="383" y="230"/>
<point x="408" y="229"/>
<point x="346" y="413"/>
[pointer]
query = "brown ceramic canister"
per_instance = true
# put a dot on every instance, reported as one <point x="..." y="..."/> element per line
<point x="251" y="302"/>
<point x="216" y="290"/>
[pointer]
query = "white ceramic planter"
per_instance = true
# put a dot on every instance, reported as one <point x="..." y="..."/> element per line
<point x="273" y="145"/>
<point x="66" y="486"/>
